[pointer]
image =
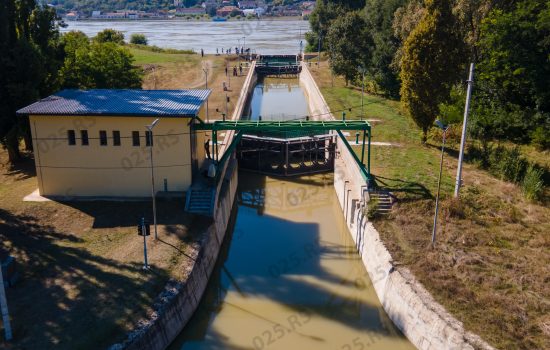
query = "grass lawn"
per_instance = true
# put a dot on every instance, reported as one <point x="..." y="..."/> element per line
<point x="81" y="283"/>
<point x="490" y="266"/>
<point x="185" y="71"/>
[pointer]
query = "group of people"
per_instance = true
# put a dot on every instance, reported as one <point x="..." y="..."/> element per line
<point x="235" y="72"/>
<point x="238" y="51"/>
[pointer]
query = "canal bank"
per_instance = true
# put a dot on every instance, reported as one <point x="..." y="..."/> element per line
<point x="409" y="305"/>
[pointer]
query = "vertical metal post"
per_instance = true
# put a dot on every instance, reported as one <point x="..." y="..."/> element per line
<point x="464" y="131"/>
<point x="143" y="230"/>
<point x="363" y="149"/>
<point x="368" y="156"/>
<point x="319" y="50"/>
<point x="344" y="116"/>
<point x="438" y="189"/>
<point x="206" y="87"/>
<point x="4" y="307"/>
<point x="150" y="129"/>
<point x="215" y="145"/>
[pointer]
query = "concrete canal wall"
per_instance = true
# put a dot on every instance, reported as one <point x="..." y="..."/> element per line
<point x="409" y="305"/>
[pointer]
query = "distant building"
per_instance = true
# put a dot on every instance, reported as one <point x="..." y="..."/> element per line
<point x="72" y="16"/>
<point x="94" y="144"/>
<point x="247" y="4"/>
<point x="190" y="11"/>
<point x="227" y="10"/>
<point x="306" y="13"/>
<point x="96" y="14"/>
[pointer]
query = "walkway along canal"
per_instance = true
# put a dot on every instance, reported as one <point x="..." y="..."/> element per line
<point x="288" y="275"/>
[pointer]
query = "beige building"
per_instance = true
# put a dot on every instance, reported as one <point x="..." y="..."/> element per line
<point x="95" y="143"/>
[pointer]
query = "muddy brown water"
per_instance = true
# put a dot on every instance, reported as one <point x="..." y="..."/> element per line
<point x="289" y="276"/>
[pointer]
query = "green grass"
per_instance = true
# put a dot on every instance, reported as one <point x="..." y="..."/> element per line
<point x="409" y="169"/>
<point x="489" y="266"/>
<point x="150" y="57"/>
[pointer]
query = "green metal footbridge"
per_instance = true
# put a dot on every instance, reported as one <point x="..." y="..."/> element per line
<point x="295" y="126"/>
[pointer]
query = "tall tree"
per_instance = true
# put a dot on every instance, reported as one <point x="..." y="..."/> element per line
<point x="379" y="16"/>
<point x="432" y="60"/>
<point x="29" y="62"/>
<point x="349" y="44"/>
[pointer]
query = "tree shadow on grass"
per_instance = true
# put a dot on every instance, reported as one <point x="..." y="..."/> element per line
<point x="66" y="297"/>
<point x="409" y="191"/>
<point x="22" y="169"/>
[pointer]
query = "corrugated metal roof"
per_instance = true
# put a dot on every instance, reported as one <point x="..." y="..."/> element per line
<point x="167" y="103"/>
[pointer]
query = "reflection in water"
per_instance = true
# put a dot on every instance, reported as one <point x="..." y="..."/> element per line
<point x="289" y="277"/>
<point x="277" y="99"/>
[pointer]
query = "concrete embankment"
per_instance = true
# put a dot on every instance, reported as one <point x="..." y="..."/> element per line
<point x="412" y="309"/>
<point x="175" y="306"/>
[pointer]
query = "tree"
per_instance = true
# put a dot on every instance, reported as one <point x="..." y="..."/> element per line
<point x="320" y="21"/>
<point x="432" y="60"/>
<point x="349" y="45"/>
<point x="515" y="60"/>
<point x="31" y="56"/>
<point x="379" y="17"/>
<point x="138" y="39"/>
<point x="97" y="65"/>
<point x="110" y="36"/>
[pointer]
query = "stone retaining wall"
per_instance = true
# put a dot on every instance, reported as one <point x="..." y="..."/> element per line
<point x="411" y="308"/>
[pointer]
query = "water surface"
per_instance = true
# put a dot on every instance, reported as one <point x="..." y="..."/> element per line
<point x="289" y="277"/>
<point x="266" y="36"/>
<point x="277" y="99"/>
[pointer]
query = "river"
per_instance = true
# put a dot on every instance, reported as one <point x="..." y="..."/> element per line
<point x="266" y="36"/>
<point x="289" y="277"/>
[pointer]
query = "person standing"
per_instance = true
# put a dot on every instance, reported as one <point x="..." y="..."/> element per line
<point x="202" y="53"/>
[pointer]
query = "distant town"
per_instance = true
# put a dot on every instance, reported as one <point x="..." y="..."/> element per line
<point x="217" y="9"/>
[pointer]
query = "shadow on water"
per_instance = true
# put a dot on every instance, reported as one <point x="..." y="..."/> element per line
<point x="288" y="275"/>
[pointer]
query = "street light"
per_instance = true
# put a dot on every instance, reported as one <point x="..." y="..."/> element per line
<point x="206" y="87"/>
<point x="444" y="128"/>
<point x="362" y="70"/>
<point x="150" y="129"/>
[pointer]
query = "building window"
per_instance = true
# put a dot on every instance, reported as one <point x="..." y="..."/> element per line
<point x="116" y="138"/>
<point x="135" y="138"/>
<point x="71" y="137"/>
<point x="84" y="137"/>
<point x="148" y="138"/>
<point x="103" y="137"/>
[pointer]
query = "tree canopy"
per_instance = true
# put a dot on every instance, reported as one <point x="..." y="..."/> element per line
<point x="431" y="62"/>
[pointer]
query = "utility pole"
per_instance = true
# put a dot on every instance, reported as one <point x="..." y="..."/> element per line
<point x="319" y="50"/>
<point x="464" y="130"/>
<point x="444" y="128"/>
<point x="4" y="306"/>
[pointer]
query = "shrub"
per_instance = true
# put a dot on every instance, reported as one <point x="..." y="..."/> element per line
<point x="138" y="39"/>
<point x="507" y="165"/>
<point x="372" y="209"/>
<point x="540" y="138"/>
<point x="532" y="184"/>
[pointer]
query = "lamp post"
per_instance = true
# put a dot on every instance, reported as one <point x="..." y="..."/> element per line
<point x="206" y="87"/>
<point x="362" y="70"/>
<point x="150" y="129"/>
<point x="444" y="128"/>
